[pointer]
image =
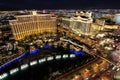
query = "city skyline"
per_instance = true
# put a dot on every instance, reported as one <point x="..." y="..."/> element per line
<point x="35" y="43"/>
<point x="57" y="4"/>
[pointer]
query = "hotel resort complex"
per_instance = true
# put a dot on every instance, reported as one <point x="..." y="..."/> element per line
<point x="59" y="45"/>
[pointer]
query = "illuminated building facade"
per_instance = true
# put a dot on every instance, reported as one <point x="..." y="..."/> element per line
<point x="79" y="25"/>
<point x="26" y="25"/>
<point x="100" y="23"/>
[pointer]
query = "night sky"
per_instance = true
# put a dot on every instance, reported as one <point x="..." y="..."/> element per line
<point x="58" y="4"/>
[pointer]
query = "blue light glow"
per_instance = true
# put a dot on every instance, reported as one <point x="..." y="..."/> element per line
<point x="47" y="47"/>
<point x="71" y="50"/>
<point x="77" y="52"/>
<point x="12" y="61"/>
<point x="34" y="51"/>
<point x="19" y="58"/>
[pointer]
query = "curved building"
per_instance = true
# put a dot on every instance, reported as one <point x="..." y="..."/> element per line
<point x="26" y="25"/>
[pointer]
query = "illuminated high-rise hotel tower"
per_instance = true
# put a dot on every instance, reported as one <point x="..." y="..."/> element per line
<point x="25" y="25"/>
<point x="81" y="24"/>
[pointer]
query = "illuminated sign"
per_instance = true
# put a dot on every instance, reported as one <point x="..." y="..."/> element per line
<point x="72" y="55"/>
<point x="33" y="63"/>
<point x="49" y="58"/>
<point x="24" y="66"/>
<point x="2" y="76"/>
<point x="14" y="70"/>
<point x="42" y="60"/>
<point x="65" y="56"/>
<point x="58" y="57"/>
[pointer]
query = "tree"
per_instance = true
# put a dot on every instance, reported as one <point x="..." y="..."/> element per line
<point x="110" y="22"/>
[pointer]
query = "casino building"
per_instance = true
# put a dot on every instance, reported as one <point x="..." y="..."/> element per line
<point x="80" y="24"/>
<point x="25" y="25"/>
